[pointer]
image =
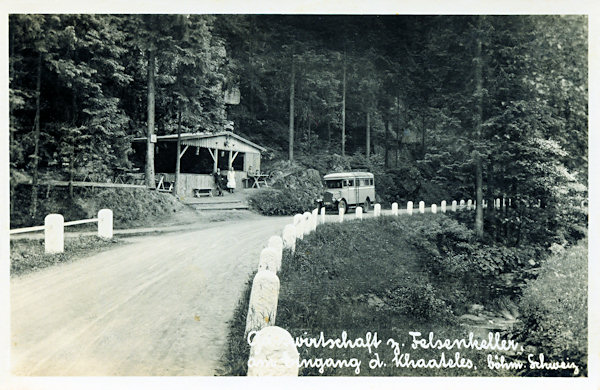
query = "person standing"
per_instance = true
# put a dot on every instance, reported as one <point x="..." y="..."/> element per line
<point x="231" y="180"/>
<point x="217" y="177"/>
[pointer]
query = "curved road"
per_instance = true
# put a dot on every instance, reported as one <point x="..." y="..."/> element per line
<point x="157" y="305"/>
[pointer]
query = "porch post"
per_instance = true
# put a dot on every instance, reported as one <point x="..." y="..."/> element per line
<point x="216" y="160"/>
<point x="230" y="160"/>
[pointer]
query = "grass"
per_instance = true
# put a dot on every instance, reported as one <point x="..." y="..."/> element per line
<point x="367" y="276"/>
<point x="28" y="255"/>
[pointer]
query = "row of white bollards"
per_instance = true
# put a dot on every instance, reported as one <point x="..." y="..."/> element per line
<point x="54" y="229"/>
<point x="272" y="349"/>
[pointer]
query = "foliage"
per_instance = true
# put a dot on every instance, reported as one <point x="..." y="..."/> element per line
<point x="131" y="207"/>
<point x="554" y="309"/>
<point x="281" y="201"/>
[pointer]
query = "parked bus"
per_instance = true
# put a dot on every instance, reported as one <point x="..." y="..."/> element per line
<point x="348" y="189"/>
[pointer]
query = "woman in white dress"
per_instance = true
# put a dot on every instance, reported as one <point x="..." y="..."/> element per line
<point x="231" y="180"/>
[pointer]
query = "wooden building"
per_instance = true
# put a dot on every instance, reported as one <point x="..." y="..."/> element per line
<point x="201" y="155"/>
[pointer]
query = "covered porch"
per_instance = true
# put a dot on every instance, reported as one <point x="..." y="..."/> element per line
<point x="201" y="155"/>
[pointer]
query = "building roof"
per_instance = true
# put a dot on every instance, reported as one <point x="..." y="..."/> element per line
<point x="207" y="140"/>
<point x="345" y="175"/>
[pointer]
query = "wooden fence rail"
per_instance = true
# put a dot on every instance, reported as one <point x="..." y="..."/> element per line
<point x="54" y="229"/>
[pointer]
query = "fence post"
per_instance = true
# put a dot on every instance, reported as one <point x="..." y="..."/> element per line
<point x="359" y="212"/>
<point x="105" y="223"/>
<point x="341" y="215"/>
<point x="434" y="208"/>
<point x="276" y="243"/>
<point x="443" y="206"/>
<point x="453" y="205"/>
<point x="377" y="210"/>
<point x="306" y="222"/>
<point x="409" y="207"/>
<point x="422" y="207"/>
<point x="461" y="204"/>
<point x="315" y="219"/>
<point x="262" y="308"/>
<point x="322" y="215"/>
<point x="289" y="237"/>
<point x="469" y="204"/>
<point x="395" y="209"/>
<point x="54" y="233"/>
<point x="273" y="353"/>
<point x="497" y="203"/>
<point x="298" y="218"/>
<point x="269" y="260"/>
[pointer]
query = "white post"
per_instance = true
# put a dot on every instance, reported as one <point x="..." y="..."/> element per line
<point x="469" y="204"/>
<point x="409" y="207"/>
<point x="434" y="208"/>
<point x="315" y="219"/>
<point x="422" y="207"/>
<point x="298" y="218"/>
<point x="359" y="212"/>
<point x="394" y="208"/>
<point x="307" y="222"/>
<point x="54" y="233"/>
<point x="289" y="237"/>
<point x="105" y="223"/>
<point x="377" y="210"/>
<point x="497" y="203"/>
<point x="341" y="215"/>
<point x="262" y="308"/>
<point x="269" y="260"/>
<point x="443" y="206"/>
<point x="503" y="202"/>
<point x="276" y="243"/>
<point x="273" y="352"/>
<point x="322" y="215"/>
<point x="509" y="202"/>
<point x="461" y="205"/>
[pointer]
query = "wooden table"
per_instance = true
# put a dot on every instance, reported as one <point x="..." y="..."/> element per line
<point x="258" y="178"/>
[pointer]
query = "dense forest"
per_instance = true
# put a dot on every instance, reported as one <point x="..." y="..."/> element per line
<point x="438" y="107"/>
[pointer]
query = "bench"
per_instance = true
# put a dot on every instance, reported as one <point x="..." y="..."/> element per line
<point x="198" y="192"/>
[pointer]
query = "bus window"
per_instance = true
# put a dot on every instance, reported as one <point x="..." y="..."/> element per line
<point x="333" y="183"/>
<point x="349" y="183"/>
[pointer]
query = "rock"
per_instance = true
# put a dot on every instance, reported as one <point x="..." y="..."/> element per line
<point x="474" y="318"/>
<point x="475" y="308"/>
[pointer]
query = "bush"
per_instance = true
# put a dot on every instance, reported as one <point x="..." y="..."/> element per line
<point x="554" y="310"/>
<point x="296" y="190"/>
<point x="281" y="202"/>
<point x="130" y="206"/>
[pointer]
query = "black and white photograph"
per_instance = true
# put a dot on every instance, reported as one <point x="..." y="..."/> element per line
<point x="296" y="194"/>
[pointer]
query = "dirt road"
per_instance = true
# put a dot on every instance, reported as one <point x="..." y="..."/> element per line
<point x="155" y="306"/>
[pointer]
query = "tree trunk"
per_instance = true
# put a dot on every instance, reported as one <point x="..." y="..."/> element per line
<point x="36" y="140"/>
<point x="291" y="135"/>
<point x="368" y="134"/>
<point x="308" y="136"/>
<point x="149" y="144"/>
<point x="72" y="155"/>
<point x="478" y="121"/>
<point x="328" y="135"/>
<point x="385" y="143"/>
<point x="397" y="128"/>
<point x="423" y="136"/>
<point x="178" y="161"/>
<point x="344" y="107"/>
